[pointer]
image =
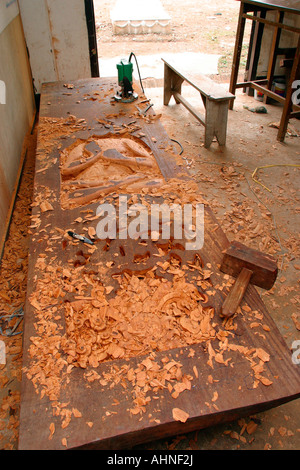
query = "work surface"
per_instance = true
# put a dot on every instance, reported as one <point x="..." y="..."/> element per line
<point x="123" y="341"/>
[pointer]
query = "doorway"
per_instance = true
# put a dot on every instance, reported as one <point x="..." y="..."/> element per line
<point x="200" y="34"/>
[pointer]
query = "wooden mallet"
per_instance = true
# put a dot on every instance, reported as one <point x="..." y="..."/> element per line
<point x="247" y="265"/>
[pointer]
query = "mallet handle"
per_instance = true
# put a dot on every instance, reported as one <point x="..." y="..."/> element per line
<point x="236" y="294"/>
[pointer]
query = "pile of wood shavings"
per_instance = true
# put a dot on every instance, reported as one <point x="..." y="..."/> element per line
<point x="146" y="316"/>
<point x="13" y="274"/>
<point x="51" y="131"/>
<point x="149" y="376"/>
<point x="79" y="325"/>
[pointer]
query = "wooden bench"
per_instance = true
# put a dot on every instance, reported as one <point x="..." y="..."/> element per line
<point x="215" y="98"/>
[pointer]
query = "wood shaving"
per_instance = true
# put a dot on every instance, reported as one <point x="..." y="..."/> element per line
<point x="251" y="427"/>
<point x="180" y="415"/>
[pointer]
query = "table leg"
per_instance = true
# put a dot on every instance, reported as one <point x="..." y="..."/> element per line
<point x="254" y="50"/>
<point x="237" y="53"/>
<point x="288" y="104"/>
<point x="273" y="53"/>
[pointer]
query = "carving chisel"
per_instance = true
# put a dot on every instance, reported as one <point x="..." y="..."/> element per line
<point x="80" y="237"/>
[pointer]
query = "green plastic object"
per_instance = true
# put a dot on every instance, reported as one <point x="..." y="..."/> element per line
<point x="125" y="69"/>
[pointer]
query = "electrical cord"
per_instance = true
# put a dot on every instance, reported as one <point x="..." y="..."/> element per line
<point x="129" y="60"/>
<point x="173" y="140"/>
<point x="269" y="166"/>
<point x="137" y="65"/>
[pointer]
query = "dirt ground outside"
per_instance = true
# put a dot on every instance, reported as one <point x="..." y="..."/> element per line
<point x="207" y="27"/>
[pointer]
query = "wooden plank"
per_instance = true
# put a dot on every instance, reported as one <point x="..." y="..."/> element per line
<point x="276" y="24"/>
<point x="295" y="114"/>
<point x="257" y="84"/>
<point x="249" y="83"/>
<point x="234" y="371"/>
<point x="267" y="92"/>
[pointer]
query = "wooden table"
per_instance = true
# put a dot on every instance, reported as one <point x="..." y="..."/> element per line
<point x="256" y="11"/>
<point x="239" y="367"/>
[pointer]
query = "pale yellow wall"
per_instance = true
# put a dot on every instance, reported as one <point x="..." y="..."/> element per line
<point x="17" y="113"/>
<point x="287" y="39"/>
<point x="57" y="39"/>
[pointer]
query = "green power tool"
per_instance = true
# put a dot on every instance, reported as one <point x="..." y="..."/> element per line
<point x="125" y="68"/>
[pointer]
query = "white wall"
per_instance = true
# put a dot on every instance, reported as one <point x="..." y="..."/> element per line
<point x="57" y="39"/>
<point x="8" y="11"/>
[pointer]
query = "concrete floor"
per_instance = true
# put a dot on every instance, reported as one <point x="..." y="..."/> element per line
<point x="225" y="179"/>
<point x="151" y="65"/>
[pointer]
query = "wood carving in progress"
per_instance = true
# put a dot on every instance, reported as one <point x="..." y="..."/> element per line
<point x="117" y="163"/>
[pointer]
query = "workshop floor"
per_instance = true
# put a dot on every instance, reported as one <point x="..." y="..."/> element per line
<point x="265" y="219"/>
<point x="247" y="211"/>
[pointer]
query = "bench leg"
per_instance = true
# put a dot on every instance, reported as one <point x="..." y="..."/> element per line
<point x="216" y="122"/>
<point x="176" y="85"/>
<point x="167" y="85"/>
<point x="172" y="83"/>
